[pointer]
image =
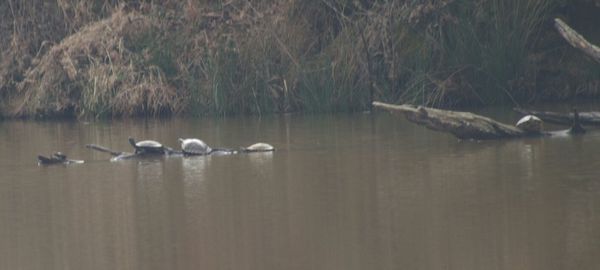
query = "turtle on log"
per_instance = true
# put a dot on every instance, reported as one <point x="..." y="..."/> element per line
<point x="258" y="147"/>
<point x="57" y="158"/>
<point x="194" y="147"/>
<point x="530" y="124"/>
<point x="148" y="147"/>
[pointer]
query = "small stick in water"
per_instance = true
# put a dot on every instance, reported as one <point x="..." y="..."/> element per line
<point x="103" y="149"/>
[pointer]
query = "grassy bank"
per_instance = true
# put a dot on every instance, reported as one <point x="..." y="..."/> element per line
<point x="114" y="58"/>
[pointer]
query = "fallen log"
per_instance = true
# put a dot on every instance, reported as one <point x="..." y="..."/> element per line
<point x="466" y="125"/>
<point x="576" y="40"/>
<point x="463" y="125"/>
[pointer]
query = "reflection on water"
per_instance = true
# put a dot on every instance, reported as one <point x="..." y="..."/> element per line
<point x="341" y="192"/>
<point x="193" y="167"/>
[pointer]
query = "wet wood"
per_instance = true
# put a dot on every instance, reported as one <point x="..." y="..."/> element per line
<point x="117" y="155"/>
<point x="585" y="118"/>
<point x="466" y="125"/>
<point x="104" y="149"/>
<point x="43" y="160"/>
<point x="574" y="119"/>
<point x="576" y="40"/>
<point x="463" y="125"/>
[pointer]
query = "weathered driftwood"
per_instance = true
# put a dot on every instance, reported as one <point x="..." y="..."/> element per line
<point x="576" y="40"/>
<point x="568" y="119"/>
<point x="465" y="125"/>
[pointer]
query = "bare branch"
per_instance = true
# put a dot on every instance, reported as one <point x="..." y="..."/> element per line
<point x="576" y="40"/>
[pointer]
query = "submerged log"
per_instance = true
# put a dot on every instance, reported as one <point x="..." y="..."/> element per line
<point x="104" y="149"/>
<point x="117" y="155"/>
<point x="585" y="118"/>
<point x="466" y="125"/>
<point x="576" y="40"/>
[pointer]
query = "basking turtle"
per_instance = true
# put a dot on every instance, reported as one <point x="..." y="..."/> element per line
<point x="147" y="147"/>
<point x="530" y="123"/>
<point x="258" y="147"/>
<point x="57" y="158"/>
<point x="194" y="147"/>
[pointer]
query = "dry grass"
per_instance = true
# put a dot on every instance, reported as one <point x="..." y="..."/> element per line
<point x="95" y="72"/>
<point x="112" y="58"/>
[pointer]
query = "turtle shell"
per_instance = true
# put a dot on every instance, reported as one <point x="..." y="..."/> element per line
<point x="259" y="147"/>
<point x="194" y="147"/>
<point x="530" y="123"/>
<point x="59" y="156"/>
<point x="147" y="146"/>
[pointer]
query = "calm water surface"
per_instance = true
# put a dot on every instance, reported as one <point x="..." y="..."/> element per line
<point x="361" y="191"/>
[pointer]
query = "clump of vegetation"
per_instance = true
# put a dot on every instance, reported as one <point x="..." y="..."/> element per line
<point x="97" y="70"/>
<point x="482" y="51"/>
<point x="110" y="58"/>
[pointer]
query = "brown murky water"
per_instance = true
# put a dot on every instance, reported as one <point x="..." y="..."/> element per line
<point x="342" y="192"/>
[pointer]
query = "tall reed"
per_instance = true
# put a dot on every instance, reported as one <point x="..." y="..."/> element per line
<point x="484" y="48"/>
<point x="216" y="57"/>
